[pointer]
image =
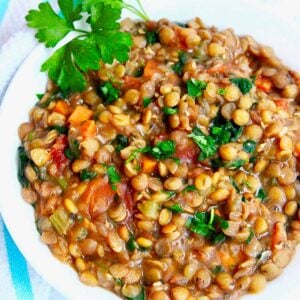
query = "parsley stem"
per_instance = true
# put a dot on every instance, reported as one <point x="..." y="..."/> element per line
<point x="142" y="9"/>
<point x="81" y="31"/>
<point x="135" y="11"/>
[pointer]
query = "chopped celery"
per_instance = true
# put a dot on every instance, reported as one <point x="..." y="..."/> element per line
<point x="61" y="221"/>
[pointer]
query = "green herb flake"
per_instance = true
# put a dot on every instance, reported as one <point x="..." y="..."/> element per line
<point x="139" y="72"/>
<point x="120" y="142"/>
<point x="176" y="160"/>
<point x="59" y="129"/>
<point x="249" y="146"/>
<point x="196" y="87"/>
<point x="136" y="152"/>
<point x="234" y="184"/>
<point x="204" y="142"/>
<point x="140" y="296"/>
<point x="219" y="239"/>
<point x="113" y="176"/>
<point x="250" y="237"/>
<point x="261" y="194"/>
<point x="244" y="84"/>
<point x="72" y="152"/>
<point x="109" y="92"/>
<point x="131" y="245"/>
<point x="146" y="102"/>
<point x="151" y="37"/>
<point x="221" y="92"/>
<point x="176" y="208"/>
<point x="189" y="188"/>
<point x="163" y="150"/>
<point x="169" y="110"/>
<point x="40" y="96"/>
<point x="182" y="59"/>
<point x="235" y="164"/>
<point x="87" y="174"/>
<point x="218" y="269"/>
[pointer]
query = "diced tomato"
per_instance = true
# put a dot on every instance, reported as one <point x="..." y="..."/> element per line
<point x="297" y="149"/>
<point x="97" y="197"/>
<point x="131" y="82"/>
<point x="151" y="68"/>
<point x="282" y="103"/>
<point x="264" y="84"/>
<point x="57" y="152"/>
<point x="188" y="153"/>
<point x="161" y="137"/>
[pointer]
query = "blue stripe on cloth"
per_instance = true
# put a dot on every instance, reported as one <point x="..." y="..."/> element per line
<point x="3" y="7"/>
<point x="18" y="269"/>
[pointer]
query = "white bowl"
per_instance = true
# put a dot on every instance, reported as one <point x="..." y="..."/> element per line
<point x="28" y="81"/>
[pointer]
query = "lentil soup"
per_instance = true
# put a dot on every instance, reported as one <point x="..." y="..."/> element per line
<point x="173" y="175"/>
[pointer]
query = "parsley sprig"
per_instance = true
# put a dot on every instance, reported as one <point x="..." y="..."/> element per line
<point x="102" y="41"/>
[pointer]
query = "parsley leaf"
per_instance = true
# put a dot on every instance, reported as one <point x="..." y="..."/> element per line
<point x="249" y="146"/>
<point x="131" y="244"/>
<point x="221" y="91"/>
<point x="51" y="28"/>
<point x="218" y="269"/>
<point x="70" y="10"/>
<point x="151" y="37"/>
<point x="235" y="164"/>
<point x="178" y="67"/>
<point x="146" y="102"/>
<point x="136" y="152"/>
<point x="169" y="110"/>
<point x="113" y="176"/>
<point x="175" y="208"/>
<point x="59" y="129"/>
<point x="109" y="92"/>
<point x="189" y="188"/>
<point x="87" y="175"/>
<point x="205" y="143"/>
<point x="244" y="84"/>
<point x="120" y="142"/>
<point x="234" y="184"/>
<point x="163" y="150"/>
<point x="72" y="152"/>
<point x="261" y="194"/>
<point x="67" y="65"/>
<point x="250" y="237"/>
<point x="196" y="87"/>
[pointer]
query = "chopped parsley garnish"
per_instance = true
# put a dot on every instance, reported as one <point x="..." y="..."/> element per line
<point x="40" y="96"/>
<point x="59" y="129"/>
<point x="163" y="150"/>
<point x="120" y="142"/>
<point x="205" y="142"/>
<point x="146" y="102"/>
<point x="250" y="237"/>
<point x="102" y="40"/>
<point x="196" y="87"/>
<point x="72" y="152"/>
<point x="131" y="245"/>
<point x="136" y="152"/>
<point x="139" y="72"/>
<point x="113" y="176"/>
<point x="109" y="92"/>
<point x="86" y="174"/>
<point x="169" y="110"/>
<point x="218" y="269"/>
<point x="176" y="208"/>
<point x="249" y="146"/>
<point x="261" y="194"/>
<point x="244" y="84"/>
<point x="221" y="92"/>
<point x="151" y="37"/>
<point x="209" y="225"/>
<point x="234" y="184"/>
<point x="140" y="296"/>
<point x="189" y="188"/>
<point x="235" y="164"/>
<point x="176" y="160"/>
<point x="178" y="67"/>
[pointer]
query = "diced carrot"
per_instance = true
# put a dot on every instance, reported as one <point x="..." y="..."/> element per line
<point x="218" y="69"/>
<point x="97" y="197"/>
<point x="297" y="149"/>
<point x="79" y="115"/>
<point x="151" y="68"/>
<point x="88" y="128"/>
<point x="264" y="84"/>
<point x="62" y="107"/>
<point x="227" y="259"/>
<point x="282" y="103"/>
<point x="148" y="164"/>
<point x="131" y="82"/>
